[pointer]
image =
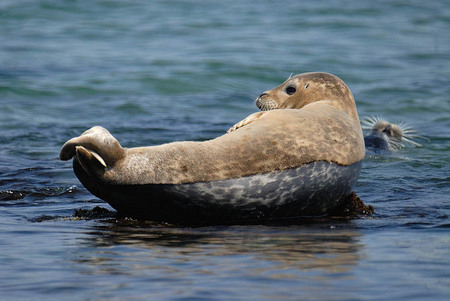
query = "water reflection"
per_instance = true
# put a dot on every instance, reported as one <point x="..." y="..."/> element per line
<point x="281" y="251"/>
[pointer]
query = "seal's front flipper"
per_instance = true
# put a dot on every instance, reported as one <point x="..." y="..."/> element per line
<point x="90" y="161"/>
<point x="249" y="119"/>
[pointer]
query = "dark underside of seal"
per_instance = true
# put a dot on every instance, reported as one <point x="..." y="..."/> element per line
<point x="310" y="190"/>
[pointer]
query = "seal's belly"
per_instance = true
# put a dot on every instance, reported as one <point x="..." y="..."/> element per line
<point x="311" y="189"/>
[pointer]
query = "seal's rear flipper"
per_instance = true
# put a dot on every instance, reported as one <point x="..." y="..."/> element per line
<point x="96" y="149"/>
<point x="90" y="161"/>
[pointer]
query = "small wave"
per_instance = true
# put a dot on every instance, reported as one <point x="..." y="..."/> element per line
<point x="131" y="108"/>
<point x="26" y="91"/>
<point x="56" y="191"/>
<point x="13" y="195"/>
<point x="444" y="226"/>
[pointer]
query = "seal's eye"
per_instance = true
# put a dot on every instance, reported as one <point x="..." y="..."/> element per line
<point x="290" y="90"/>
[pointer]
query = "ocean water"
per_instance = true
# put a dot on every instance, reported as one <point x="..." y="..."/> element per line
<point x="159" y="71"/>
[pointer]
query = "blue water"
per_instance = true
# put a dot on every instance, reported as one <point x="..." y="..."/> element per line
<point x="158" y="71"/>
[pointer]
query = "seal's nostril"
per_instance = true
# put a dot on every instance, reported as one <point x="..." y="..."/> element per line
<point x="264" y="94"/>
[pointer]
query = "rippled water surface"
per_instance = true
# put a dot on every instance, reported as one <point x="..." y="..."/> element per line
<point x="159" y="71"/>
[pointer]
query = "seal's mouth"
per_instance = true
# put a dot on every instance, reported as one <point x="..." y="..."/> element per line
<point x="265" y="104"/>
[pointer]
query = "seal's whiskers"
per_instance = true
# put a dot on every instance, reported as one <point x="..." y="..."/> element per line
<point x="397" y="134"/>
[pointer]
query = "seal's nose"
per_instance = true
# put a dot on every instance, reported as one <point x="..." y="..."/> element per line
<point x="264" y="94"/>
<point x="388" y="130"/>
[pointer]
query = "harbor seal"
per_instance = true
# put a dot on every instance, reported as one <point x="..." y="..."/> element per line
<point x="385" y="135"/>
<point x="298" y="158"/>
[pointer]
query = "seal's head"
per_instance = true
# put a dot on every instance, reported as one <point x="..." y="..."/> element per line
<point x="303" y="89"/>
<point x="386" y="135"/>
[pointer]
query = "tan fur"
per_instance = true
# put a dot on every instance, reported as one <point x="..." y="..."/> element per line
<point x="317" y="124"/>
<point x="392" y="130"/>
